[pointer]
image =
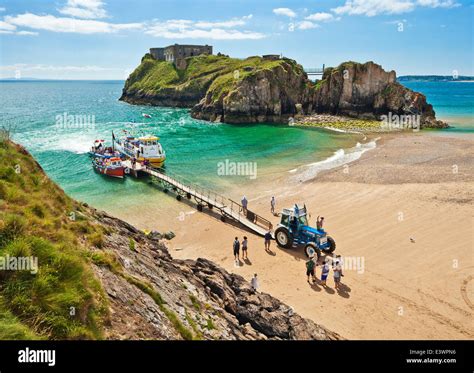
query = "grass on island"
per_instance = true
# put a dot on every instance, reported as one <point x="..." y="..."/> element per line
<point x="218" y="73"/>
<point x="62" y="300"/>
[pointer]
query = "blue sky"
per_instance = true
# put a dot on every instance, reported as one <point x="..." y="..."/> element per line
<point x="95" y="39"/>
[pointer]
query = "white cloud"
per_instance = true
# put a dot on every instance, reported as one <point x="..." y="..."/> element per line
<point x="224" y="24"/>
<point x="320" y="17"/>
<point x="306" y="25"/>
<point x="2" y="9"/>
<point x="284" y="12"/>
<point x="28" y="33"/>
<point x="438" y="3"/>
<point x="84" y="9"/>
<point x="4" y="26"/>
<point x="64" y="24"/>
<point x="372" y="8"/>
<point x="188" y="29"/>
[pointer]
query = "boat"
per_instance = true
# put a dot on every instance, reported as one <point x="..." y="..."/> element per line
<point x="109" y="166"/>
<point x="146" y="115"/>
<point x="100" y="150"/>
<point x="146" y="148"/>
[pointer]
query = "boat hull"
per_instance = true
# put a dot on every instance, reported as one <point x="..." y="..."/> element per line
<point x="117" y="172"/>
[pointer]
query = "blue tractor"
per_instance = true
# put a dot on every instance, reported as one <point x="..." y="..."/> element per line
<point x="294" y="230"/>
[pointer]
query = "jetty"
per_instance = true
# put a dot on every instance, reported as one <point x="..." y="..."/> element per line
<point x="204" y="198"/>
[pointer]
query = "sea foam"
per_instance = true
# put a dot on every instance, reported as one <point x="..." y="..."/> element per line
<point x="339" y="158"/>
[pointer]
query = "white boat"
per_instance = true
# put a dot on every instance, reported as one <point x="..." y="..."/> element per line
<point x="143" y="148"/>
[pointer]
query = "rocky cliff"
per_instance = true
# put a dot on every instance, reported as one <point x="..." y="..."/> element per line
<point x="99" y="277"/>
<point x="257" y="89"/>
<point x="368" y="91"/>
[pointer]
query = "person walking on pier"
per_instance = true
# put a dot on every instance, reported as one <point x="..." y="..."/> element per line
<point x="244" y="205"/>
<point x="272" y="205"/>
<point x="236" y="248"/>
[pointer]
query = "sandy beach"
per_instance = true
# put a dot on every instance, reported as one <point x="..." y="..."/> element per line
<point x="402" y="214"/>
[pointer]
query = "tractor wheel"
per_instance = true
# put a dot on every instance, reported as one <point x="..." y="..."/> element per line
<point x="283" y="238"/>
<point x="332" y="245"/>
<point x="311" y="249"/>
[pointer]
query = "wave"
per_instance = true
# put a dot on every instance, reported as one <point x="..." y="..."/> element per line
<point x="339" y="158"/>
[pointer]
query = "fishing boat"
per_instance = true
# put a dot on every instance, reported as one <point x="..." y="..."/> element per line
<point x="146" y="148"/>
<point x="145" y="115"/>
<point x="109" y="166"/>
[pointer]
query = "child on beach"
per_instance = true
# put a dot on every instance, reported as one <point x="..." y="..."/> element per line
<point x="236" y="248"/>
<point x="244" y="248"/>
<point x="254" y="282"/>
<point x="268" y="239"/>
<point x="324" y="272"/>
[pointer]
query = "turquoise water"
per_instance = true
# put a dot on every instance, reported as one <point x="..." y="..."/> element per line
<point x="194" y="148"/>
<point x="452" y="102"/>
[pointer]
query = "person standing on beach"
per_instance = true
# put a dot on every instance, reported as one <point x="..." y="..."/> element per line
<point x="324" y="272"/>
<point x="254" y="282"/>
<point x="244" y="205"/>
<point x="319" y="223"/>
<point x="272" y="205"/>
<point x="337" y="276"/>
<point x="236" y="248"/>
<point x="245" y="255"/>
<point x="310" y="270"/>
<point x="268" y="239"/>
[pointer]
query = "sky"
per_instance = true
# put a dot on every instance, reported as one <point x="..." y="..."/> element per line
<point x="95" y="39"/>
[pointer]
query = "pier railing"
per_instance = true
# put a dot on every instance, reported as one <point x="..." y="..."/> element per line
<point x="227" y="206"/>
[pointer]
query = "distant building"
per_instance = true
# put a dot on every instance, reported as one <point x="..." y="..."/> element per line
<point x="177" y="53"/>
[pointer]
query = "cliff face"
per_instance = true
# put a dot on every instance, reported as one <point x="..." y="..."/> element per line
<point x="223" y="89"/>
<point x="99" y="277"/>
<point x="368" y="91"/>
<point x="272" y="94"/>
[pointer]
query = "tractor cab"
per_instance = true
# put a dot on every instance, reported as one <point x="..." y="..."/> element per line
<point x="294" y="229"/>
<point x="294" y="219"/>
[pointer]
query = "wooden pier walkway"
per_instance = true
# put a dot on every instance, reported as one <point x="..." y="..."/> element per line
<point x="228" y="208"/>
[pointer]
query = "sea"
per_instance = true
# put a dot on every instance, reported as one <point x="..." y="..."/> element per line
<point x="57" y="121"/>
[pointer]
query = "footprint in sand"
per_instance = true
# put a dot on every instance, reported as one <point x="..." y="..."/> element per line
<point x="464" y="292"/>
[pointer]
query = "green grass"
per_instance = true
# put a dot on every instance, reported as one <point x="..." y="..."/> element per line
<point x="214" y="74"/>
<point x="63" y="300"/>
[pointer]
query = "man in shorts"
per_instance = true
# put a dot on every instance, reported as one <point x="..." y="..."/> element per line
<point x="236" y="247"/>
<point x="310" y="270"/>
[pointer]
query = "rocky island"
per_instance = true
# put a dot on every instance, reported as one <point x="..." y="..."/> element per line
<point x="273" y="89"/>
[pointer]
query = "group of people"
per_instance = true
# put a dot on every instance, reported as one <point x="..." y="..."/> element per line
<point x="313" y="263"/>
<point x="236" y="248"/>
